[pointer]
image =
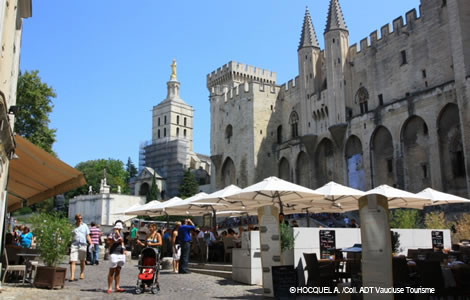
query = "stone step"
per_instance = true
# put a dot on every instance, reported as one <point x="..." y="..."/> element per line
<point x="216" y="273"/>
<point x="210" y="266"/>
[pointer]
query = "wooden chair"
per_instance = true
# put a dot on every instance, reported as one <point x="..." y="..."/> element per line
<point x="228" y="247"/>
<point x="12" y="268"/>
<point x="401" y="273"/>
<point x="319" y="275"/>
<point x="430" y="274"/>
<point x="413" y="254"/>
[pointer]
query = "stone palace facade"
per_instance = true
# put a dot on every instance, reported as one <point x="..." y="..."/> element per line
<point x="394" y="110"/>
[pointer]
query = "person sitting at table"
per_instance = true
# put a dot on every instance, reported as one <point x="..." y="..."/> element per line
<point x="251" y="227"/>
<point x="294" y="223"/>
<point x="282" y="220"/>
<point x="353" y="224"/>
<point x="230" y="233"/>
<point x="26" y="238"/>
<point x="223" y="234"/>
<point x="240" y="233"/>
<point x="206" y="235"/>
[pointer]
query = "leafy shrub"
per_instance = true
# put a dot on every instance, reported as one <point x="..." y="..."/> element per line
<point x="405" y="218"/>
<point x="435" y="220"/>
<point x="53" y="234"/>
<point x="287" y="237"/>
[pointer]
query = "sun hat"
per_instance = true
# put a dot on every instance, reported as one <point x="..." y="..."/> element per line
<point x="118" y="226"/>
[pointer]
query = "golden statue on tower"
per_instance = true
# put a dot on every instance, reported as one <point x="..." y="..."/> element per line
<point x="173" y="70"/>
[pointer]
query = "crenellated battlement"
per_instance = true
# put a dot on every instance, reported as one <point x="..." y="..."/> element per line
<point x="239" y="72"/>
<point x="290" y="86"/>
<point x="245" y="90"/>
<point x="373" y="41"/>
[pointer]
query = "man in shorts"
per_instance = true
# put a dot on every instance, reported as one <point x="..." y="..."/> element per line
<point x="78" y="250"/>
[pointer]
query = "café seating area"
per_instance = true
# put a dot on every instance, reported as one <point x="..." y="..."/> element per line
<point x="448" y="272"/>
<point x="19" y="264"/>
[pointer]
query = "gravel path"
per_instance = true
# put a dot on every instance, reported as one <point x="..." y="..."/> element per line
<point x="173" y="286"/>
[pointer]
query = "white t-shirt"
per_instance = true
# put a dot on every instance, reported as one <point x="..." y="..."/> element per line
<point x="142" y="233"/>
<point x="79" y="235"/>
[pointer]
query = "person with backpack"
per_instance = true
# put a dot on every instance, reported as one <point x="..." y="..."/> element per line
<point x="175" y="245"/>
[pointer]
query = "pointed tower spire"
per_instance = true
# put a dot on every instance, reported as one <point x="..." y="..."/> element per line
<point x="335" y="19"/>
<point x="308" y="38"/>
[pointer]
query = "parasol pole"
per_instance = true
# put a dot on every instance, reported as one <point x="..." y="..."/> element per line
<point x="214" y="218"/>
<point x="280" y="203"/>
<point x="308" y="219"/>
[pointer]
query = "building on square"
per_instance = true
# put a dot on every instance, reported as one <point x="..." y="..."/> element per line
<point x="392" y="110"/>
<point x="170" y="152"/>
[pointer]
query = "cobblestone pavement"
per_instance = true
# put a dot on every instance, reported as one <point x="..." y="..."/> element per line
<point x="173" y="286"/>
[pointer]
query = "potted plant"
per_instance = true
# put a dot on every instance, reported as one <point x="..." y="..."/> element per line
<point x="395" y="238"/>
<point x="53" y="234"/>
<point x="287" y="244"/>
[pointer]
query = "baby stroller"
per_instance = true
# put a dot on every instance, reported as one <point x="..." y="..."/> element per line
<point x="149" y="267"/>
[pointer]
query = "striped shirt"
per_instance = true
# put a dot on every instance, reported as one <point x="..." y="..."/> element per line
<point x="95" y="234"/>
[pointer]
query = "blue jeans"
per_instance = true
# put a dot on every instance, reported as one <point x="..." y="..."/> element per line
<point x="95" y="254"/>
<point x="184" y="259"/>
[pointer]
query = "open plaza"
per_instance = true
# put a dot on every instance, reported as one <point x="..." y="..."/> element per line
<point x="349" y="181"/>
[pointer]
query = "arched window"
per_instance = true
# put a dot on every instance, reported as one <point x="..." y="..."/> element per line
<point x="164" y="132"/>
<point x="362" y="96"/>
<point x="184" y="133"/>
<point x="184" y="120"/>
<point x="279" y="134"/>
<point x="158" y="121"/>
<point x="228" y="133"/>
<point x="158" y="133"/>
<point x="294" y="124"/>
<point x="177" y="131"/>
<point x="165" y="120"/>
<point x="178" y="120"/>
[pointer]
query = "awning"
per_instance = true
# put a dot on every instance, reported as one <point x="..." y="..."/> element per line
<point x="37" y="175"/>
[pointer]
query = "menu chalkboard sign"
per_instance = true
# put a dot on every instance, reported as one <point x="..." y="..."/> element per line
<point x="327" y="241"/>
<point x="284" y="277"/>
<point x="437" y="239"/>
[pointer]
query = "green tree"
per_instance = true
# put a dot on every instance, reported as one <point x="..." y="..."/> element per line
<point x="93" y="170"/>
<point x="152" y="194"/>
<point x="34" y="101"/>
<point x="131" y="169"/>
<point x="435" y="220"/>
<point x="405" y="218"/>
<point x="189" y="186"/>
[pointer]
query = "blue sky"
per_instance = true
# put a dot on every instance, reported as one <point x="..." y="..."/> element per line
<point x="109" y="61"/>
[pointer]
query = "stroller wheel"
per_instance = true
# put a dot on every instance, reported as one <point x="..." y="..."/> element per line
<point x="154" y="290"/>
<point x="138" y="290"/>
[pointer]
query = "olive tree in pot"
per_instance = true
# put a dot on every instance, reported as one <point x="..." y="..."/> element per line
<point x="53" y="233"/>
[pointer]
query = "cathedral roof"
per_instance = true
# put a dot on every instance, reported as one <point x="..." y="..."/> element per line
<point x="308" y="38"/>
<point x="335" y="19"/>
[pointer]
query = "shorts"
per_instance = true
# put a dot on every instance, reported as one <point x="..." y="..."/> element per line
<point x="78" y="253"/>
<point x="117" y="260"/>
<point x="177" y="252"/>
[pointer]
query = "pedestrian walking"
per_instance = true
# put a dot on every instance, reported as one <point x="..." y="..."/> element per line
<point x="176" y="247"/>
<point x="184" y="235"/>
<point x="117" y="255"/>
<point x="78" y="249"/>
<point x="133" y="237"/>
<point x="95" y="235"/>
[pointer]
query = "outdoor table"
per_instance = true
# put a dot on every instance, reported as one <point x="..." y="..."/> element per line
<point x="27" y="261"/>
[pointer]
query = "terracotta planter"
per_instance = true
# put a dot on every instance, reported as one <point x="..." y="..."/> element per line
<point x="50" y="277"/>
